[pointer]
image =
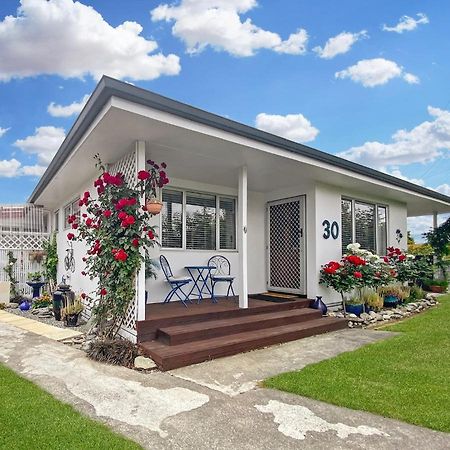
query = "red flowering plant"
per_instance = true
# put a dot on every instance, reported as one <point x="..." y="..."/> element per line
<point x="404" y="265"/>
<point x="116" y="231"/>
<point x="153" y="179"/>
<point x="357" y="269"/>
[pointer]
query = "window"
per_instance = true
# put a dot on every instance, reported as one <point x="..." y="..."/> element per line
<point x="198" y="221"/>
<point x="365" y="223"/>
<point x="172" y="219"/>
<point x="56" y="221"/>
<point x="72" y="209"/>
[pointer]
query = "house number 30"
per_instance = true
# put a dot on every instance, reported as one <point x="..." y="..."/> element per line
<point x="330" y="229"/>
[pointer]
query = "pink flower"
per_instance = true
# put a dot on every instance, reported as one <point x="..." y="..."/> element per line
<point x="107" y="213"/>
<point x="122" y="215"/>
<point x="121" y="255"/>
<point x="143" y="175"/>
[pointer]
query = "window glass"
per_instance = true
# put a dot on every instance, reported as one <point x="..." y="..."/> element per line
<point x="56" y="219"/>
<point x="365" y="232"/>
<point x="227" y="223"/>
<point x="347" y="224"/>
<point x="200" y="221"/>
<point x="172" y="219"/>
<point x="382" y="230"/>
<point x="67" y="213"/>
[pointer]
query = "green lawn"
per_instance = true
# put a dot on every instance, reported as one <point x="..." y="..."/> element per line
<point x="30" y="418"/>
<point x="406" y="377"/>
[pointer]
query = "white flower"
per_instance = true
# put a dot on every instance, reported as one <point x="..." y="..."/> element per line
<point x="411" y="256"/>
<point x="353" y="247"/>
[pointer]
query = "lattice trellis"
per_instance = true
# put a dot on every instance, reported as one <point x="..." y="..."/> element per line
<point x="128" y="167"/>
<point x="285" y="246"/>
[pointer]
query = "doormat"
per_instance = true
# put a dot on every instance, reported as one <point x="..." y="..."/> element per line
<point x="276" y="297"/>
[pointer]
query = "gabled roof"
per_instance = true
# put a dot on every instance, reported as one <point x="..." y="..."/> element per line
<point x="110" y="87"/>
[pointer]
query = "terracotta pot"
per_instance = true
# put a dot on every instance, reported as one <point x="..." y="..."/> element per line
<point x="154" y="206"/>
<point x="437" y="289"/>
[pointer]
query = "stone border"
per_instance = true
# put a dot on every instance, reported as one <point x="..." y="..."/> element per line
<point x="372" y="319"/>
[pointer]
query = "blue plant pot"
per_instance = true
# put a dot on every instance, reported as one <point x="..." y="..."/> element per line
<point x="367" y="309"/>
<point x="354" y="309"/>
<point x="390" y="301"/>
<point x="24" y="306"/>
<point x="320" y="305"/>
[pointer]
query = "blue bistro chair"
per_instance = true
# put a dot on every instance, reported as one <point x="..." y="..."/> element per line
<point x="220" y="274"/>
<point x="176" y="283"/>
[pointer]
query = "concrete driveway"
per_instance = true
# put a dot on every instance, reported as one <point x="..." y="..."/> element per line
<point x="214" y="405"/>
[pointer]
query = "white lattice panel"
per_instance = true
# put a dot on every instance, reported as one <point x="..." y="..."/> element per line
<point x="128" y="167"/>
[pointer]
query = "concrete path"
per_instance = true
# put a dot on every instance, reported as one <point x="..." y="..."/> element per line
<point x="43" y="329"/>
<point x="199" y="407"/>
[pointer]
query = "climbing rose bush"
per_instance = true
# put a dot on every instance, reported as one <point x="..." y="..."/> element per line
<point x="115" y="228"/>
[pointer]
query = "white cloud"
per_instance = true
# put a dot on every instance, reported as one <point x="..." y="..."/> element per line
<point x="44" y="143"/>
<point x="9" y="168"/>
<point x="35" y="171"/>
<point x="375" y="72"/>
<point x="339" y="44"/>
<point x="3" y="131"/>
<point x="407" y="23"/>
<point x="68" y="110"/>
<point x="295" y="127"/>
<point x="423" y="143"/>
<point x="217" y="23"/>
<point x="443" y="189"/>
<point x="71" y="39"/>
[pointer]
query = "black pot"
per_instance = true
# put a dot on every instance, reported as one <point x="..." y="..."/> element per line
<point x="71" y="320"/>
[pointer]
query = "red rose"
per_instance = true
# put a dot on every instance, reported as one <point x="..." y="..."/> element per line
<point x="143" y="175"/>
<point x="87" y="194"/>
<point x="151" y="235"/>
<point x="83" y="273"/>
<point x="107" y="213"/>
<point x="163" y="165"/>
<point x="357" y="274"/>
<point x="135" y="242"/>
<point x="131" y="201"/>
<point x="122" y="203"/>
<point x="130" y="220"/>
<point x="329" y="270"/>
<point x="83" y="295"/>
<point x="386" y="259"/>
<point x="84" y="215"/>
<point x="74" y="226"/>
<point x="89" y="222"/>
<point x="70" y="236"/>
<point x="121" y="255"/>
<point x="122" y="215"/>
<point x="103" y="291"/>
<point x="401" y="257"/>
<point x="80" y="202"/>
<point x="100" y="189"/>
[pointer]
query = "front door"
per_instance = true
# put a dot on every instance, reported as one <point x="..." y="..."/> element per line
<point x="286" y="245"/>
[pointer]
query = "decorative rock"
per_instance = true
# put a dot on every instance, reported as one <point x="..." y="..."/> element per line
<point x="141" y="362"/>
<point x="365" y="316"/>
<point x="385" y="316"/>
<point x="352" y="315"/>
<point x="12" y="305"/>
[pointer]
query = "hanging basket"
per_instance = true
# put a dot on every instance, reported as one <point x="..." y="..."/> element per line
<point x="154" y="206"/>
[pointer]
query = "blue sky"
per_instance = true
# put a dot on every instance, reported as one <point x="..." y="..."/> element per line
<point x="342" y="76"/>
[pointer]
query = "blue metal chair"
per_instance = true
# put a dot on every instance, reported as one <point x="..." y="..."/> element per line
<point x="220" y="273"/>
<point x="176" y="283"/>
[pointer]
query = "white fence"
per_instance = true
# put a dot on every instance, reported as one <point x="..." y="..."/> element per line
<point x="23" y="229"/>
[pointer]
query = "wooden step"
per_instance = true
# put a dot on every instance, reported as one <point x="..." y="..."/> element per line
<point x="146" y="329"/>
<point x="181" y="334"/>
<point x="171" y="357"/>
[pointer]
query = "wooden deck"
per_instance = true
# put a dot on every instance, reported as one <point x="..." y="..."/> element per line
<point x="175" y="335"/>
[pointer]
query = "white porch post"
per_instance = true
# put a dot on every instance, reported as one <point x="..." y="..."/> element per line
<point x="242" y="237"/>
<point x="140" y="282"/>
<point x="435" y="220"/>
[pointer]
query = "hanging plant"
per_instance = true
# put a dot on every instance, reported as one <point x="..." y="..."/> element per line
<point x="116" y="231"/>
<point x="150" y="182"/>
<point x="37" y="256"/>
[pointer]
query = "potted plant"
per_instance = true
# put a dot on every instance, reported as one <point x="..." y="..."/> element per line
<point x="371" y="300"/>
<point x="43" y="301"/>
<point x="150" y="182"/>
<point x="37" y="256"/>
<point x="437" y="286"/>
<point x="392" y="294"/>
<point x="354" y="305"/>
<point x="35" y="277"/>
<point x="71" y="312"/>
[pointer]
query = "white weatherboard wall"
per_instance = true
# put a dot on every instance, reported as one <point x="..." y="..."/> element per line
<point x="328" y="207"/>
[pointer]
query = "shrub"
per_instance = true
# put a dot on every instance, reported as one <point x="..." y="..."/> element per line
<point x="119" y="352"/>
<point x="394" y="290"/>
<point x="415" y="293"/>
<point x="372" y="299"/>
<point x="429" y="282"/>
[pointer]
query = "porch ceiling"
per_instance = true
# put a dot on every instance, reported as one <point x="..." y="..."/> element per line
<point x="192" y="154"/>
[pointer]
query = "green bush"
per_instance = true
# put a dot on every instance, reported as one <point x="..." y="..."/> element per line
<point x="429" y="282"/>
<point x="415" y="293"/>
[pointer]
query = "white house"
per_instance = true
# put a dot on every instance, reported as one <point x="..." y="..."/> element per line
<point x="277" y="209"/>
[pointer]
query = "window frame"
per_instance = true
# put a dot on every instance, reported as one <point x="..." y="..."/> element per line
<point x="376" y="205"/>
<point x="217" y="196"/>
<point x="56" y="219"/>
<point x="67" y="226"/>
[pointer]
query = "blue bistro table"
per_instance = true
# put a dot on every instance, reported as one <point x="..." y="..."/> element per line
<point x="200" y="276"/>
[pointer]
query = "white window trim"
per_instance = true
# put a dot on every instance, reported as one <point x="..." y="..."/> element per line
<point x="218" y="196"/>
<point x="67" y="226"/>
<point x="376" y="205"/>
